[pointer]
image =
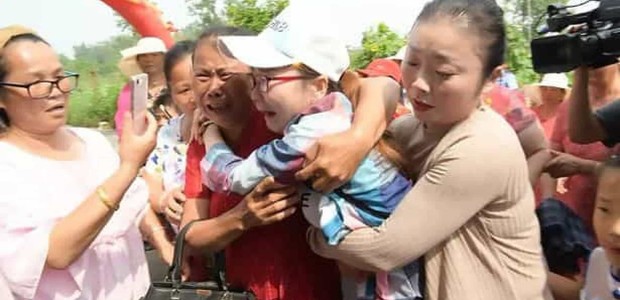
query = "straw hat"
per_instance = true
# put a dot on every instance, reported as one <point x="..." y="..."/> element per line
<point x="555" y="80"/>
<point x="6" y="33"/>
<point x="129" y="62"/>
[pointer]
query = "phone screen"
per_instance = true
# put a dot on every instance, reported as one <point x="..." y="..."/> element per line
<point x="139" y="98"/>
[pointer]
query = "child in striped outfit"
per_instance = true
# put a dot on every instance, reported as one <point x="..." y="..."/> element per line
<point x="296" y="70"/>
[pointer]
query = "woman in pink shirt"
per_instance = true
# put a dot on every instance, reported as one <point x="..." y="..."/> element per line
<point x="146" y="57"/>
<point x="70" y="209"/>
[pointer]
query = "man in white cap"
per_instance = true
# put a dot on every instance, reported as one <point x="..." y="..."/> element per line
<point x="146" y="57"/>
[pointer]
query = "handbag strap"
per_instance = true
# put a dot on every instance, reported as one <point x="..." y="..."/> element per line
<point x="174" y="272"/>
<point x="220" y="270"/>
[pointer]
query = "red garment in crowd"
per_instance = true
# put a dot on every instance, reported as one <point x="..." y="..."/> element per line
<point x="581" y="189"/>
<point x="273" y="261"/>
<point x="510" y="104"/>
<point x="548" y="123"/>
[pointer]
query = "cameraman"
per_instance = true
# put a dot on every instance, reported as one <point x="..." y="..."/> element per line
<point x="594" y="88"/>
<point x="586" y="127"/>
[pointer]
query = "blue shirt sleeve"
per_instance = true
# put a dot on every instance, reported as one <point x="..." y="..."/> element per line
<point x="223" y="171"/>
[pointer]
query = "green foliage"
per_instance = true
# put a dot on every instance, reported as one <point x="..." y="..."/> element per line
<point x="377" y="42"/>
<point x="94" y="101"/>
<point x="100" y="80"/>
<point x="190" y="32"/>
<point x="251" y="15"/>
<point x="518" y="57"/>
<point x="101" y="58"/>
<point x="205" y="12"/>
<point x="527" y="13"/>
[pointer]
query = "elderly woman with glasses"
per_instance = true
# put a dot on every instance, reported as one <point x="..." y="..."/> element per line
<point x="70" y="209"/>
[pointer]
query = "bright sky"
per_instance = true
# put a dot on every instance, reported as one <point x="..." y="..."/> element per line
<point x="65" y="23"/>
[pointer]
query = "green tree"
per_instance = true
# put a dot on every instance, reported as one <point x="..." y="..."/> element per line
<point x="376" y="43"/>
<point x="205" y="11"/>
<point x="100" y="80"/>
<point x="102" y="57"/>
<point x="529" y="14"/>
<point x="518" y="56"/>
<point x="251" y="15"/>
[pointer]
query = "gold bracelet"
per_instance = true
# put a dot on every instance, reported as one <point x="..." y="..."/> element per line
<point x="103" y="197"/>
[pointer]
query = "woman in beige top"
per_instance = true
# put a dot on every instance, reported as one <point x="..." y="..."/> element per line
<point x="470" y="215"/>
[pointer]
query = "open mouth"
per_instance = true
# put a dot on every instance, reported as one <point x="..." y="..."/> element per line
<point x="421" y="106"/>
<point x="216" y="107"/>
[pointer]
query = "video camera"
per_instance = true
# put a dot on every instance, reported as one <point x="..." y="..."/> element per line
<point x="594" y="40"/>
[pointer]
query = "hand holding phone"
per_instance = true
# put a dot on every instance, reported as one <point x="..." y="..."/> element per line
<point x="139" y="101"/>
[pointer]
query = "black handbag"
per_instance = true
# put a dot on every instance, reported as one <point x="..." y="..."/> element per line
<point x="172" y="288"/>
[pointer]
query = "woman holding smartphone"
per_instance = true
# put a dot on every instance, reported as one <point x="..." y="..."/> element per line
<point x="71" y="210"/>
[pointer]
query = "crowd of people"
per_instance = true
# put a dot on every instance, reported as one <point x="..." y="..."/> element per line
<point x="430" y="174"/>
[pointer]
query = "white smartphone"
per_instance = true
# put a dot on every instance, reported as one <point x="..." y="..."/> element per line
<point x="139" y="98"/>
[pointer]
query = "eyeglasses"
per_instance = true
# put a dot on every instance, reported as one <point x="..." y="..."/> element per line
<point x="42" y="89"/>
<point x="262" y="82"/>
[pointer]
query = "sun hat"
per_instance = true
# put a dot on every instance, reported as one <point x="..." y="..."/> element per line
<point x="556" y="80"/>
<point x="294" y="36"/>
<point x="6" y="33"/>
<point x="129" y="61"/>
<point x="400" y="55"/>
<point x="382" y="67"/>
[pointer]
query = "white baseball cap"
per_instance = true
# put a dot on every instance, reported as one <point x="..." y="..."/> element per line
<point x="400" y="55"/>
<point x="299" y="34"/>
<point x="556" y="80"/>
<point x="129" y="62"/>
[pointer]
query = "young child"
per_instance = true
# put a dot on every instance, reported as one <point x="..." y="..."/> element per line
<point x="603" y="275"/>
<point x="297" y="67"/>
